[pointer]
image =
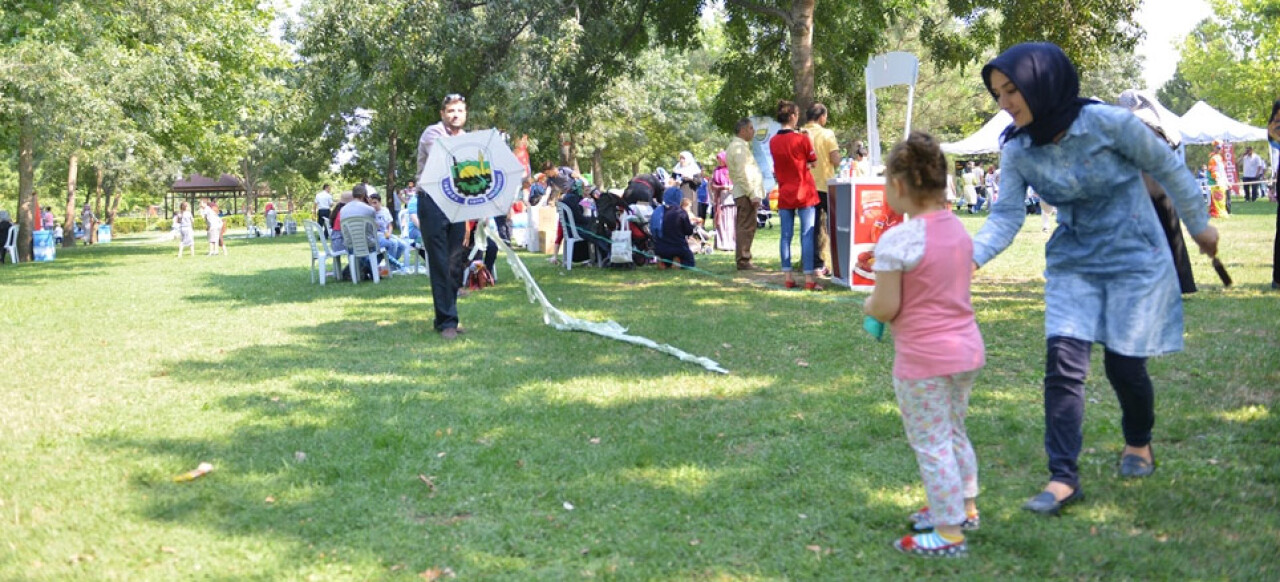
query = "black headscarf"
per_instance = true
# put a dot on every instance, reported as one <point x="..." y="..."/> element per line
<point x="1047" y="81"/>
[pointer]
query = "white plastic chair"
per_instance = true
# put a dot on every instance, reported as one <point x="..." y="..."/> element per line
<point x="413" y="260"/>
<point x="571" y="236"/>
<point x="321" y="253"/>
<point x="356" y="232"/>
<point x="11" y="243"/>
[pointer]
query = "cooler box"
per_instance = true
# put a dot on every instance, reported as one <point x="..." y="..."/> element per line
<point x="42" y="245"/>
<point x="104" y="233"/>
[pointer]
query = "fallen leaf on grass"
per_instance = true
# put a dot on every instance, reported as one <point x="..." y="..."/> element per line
<point x="725" y="346"/>
<point x="168" y="550"/>
<point x="270" y="499"/>
<point x="594" y="440"/>
<point x="802" y="363"/>
<point x="433" y="574"/>
<point x="803" y="516"/>
<point x="299" y="456"/>
<point x="441" y="454"/>
<point x="568" y="506"/>
<point x="398" y="567"/>
<point x="584" y="551"/>
<point x="694" y="542"/>
<point x="431" y="484"/>
<point x="1093" y="530"/>
<point x="1213" y="461"/>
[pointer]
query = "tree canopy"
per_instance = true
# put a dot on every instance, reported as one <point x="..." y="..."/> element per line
<point x="134" y="93"/>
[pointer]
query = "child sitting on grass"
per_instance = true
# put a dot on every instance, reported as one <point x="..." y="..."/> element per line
<point x="923" y="268"/>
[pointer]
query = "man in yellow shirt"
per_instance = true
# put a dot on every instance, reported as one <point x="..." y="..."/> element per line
<point x="824" y="144"/>
<point x="748" y="184"/>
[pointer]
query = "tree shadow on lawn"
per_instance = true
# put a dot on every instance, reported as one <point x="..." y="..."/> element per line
<point x="77" y="262"/>
<point x="693" y="475"/>
<point x="504" y="450"/>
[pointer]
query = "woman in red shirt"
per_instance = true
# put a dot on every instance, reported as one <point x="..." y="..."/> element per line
<point x="792" y="155"/>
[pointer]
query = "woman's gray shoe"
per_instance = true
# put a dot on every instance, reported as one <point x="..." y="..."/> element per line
<point x="1046" y="504"/>
<point x="1135" y="466"/>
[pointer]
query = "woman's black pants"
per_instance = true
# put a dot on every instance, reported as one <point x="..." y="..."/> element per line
<point x="1066" y="367"/>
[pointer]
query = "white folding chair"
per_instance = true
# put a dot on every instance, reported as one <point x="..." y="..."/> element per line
<point x="356" y="232"/>
<point x="321" y="253"/>
<point x="11" y="243"/>
<point x="413" y="261"/>
<point x="571" y="236"/>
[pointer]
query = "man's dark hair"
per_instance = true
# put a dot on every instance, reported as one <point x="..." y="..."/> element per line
<point x="548" y="166"/>
<point x="326" y="187"/>
<point x="450" y="99"/>
<point x="360" y="193"/>
<point x="742" y="123"/>
<point x="815" y="112"/>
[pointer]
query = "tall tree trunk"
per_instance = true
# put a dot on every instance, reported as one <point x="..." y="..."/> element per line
<point x="597" y="167"/>
<point x="113" y="195"/>
<point x="389" y="199"/>
<point x="801" y="33"/>
<point x="69" y="220"/>
<point x="250" y="190"/>
<point x="799" y="21"/>
<point x="97" y="192"/>
<point x="635" y="168"/>
<point x="26" y="190"/>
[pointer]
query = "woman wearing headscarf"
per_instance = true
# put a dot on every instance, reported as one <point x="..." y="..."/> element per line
<point x="792" y="153"/>
<point x="671" y="229"/>
<point x="1108" y="277"/>
<point x="1273" y="135"/>
<point x="688" y="176"/>
<point x="1143" y="106"/>
<point x="725" y="211"/>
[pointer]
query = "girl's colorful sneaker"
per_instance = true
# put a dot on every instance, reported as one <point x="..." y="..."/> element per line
<point x="923" y="521"/>
<point x="931" y="545"/>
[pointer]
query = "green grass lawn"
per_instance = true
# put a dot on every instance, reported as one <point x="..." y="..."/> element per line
<point x="351" y="443"/>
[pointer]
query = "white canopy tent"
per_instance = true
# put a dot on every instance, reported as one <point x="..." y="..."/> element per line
<point x="984" y="141"/>
<point x="1203" y="124"/>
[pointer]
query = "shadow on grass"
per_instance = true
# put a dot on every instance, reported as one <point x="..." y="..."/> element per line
<point x="518" y="452"/>
<point x="692" y="472"/>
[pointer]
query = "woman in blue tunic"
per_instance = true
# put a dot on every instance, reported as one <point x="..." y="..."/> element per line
<point x="1109" y="277"/>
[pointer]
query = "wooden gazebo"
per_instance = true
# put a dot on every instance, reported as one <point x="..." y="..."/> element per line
<point x="228" y="188"/>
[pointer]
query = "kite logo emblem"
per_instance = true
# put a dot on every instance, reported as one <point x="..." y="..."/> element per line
<point x="473" y="181"/>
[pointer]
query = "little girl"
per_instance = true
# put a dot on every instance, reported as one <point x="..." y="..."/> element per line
<point x="923" y="267"/>
<point x="214" y="223"/>
<point x="182" y="224"/>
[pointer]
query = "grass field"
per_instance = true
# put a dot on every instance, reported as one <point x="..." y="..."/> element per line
<point x="351" y="443"/>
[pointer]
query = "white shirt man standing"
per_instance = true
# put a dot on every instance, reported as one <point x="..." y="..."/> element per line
<point x="748" y="189"/>
<point x="1253" y="168"/>
<point x="324" y="202"/>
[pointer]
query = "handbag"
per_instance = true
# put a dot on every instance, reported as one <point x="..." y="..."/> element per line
<point x="620" y="248"/>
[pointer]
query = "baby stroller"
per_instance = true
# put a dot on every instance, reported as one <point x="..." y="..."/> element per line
<point x="764" y="216"/>
<point x="701" y="243"/>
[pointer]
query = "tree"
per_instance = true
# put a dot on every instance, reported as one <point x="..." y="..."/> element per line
<point x="827" y="45"/>
<point x="135" y="89"/>
<point x="1176" y="94"/>
<point x="1091" y="32"/>
<point x="1229" y="60"/>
